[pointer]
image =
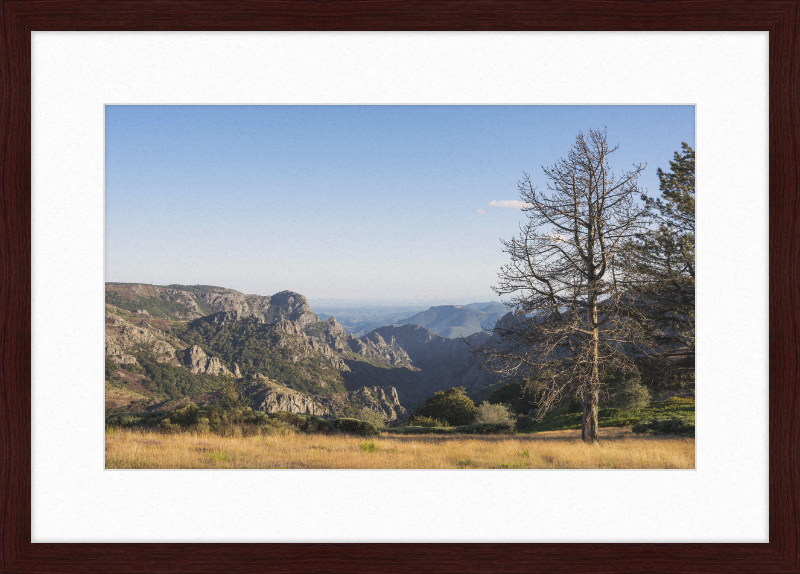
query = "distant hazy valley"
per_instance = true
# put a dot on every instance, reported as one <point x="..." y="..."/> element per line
<point x="450" y="321"/>
<point x="166" y="345"/>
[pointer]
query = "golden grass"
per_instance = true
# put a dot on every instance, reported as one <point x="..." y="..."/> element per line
<point x="618" y="448"/>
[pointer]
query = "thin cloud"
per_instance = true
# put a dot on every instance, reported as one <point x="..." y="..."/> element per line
<point x="508" y="203"/>
<point x="480" y="211"/>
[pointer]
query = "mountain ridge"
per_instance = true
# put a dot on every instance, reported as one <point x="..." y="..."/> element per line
<point x="169" y="343"/>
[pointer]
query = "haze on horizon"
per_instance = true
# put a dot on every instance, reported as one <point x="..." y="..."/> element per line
<point x="367" y="204"/>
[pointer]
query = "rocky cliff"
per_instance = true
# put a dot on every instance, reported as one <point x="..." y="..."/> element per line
<point x="200" y="364"/>
<point x="186" y="302"/>
<point x="270" y="396"/>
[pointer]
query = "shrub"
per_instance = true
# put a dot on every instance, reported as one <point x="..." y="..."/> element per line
<point x="355" y="426"/>
<point x="185" y="416"/>
<point x="419" y="421"/>
<point x="373" y="415"/>
<point x="632" y="395"/>
<point x="575" y="405"/>
<point x="489" y="413"/>
<point x="125" y="420"/>
<point x="231" y="394"/>
<point x="681" y="426"/>
<point x="452" y="405"/>
<point x="369" y="446"/>
<point x="305" y="423"/>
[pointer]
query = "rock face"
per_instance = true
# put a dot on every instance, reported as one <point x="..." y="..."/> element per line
<point x="384" y="399"/>
<point x="374" y="346"/>
<point x="122" y="336"/>
<point x="269" y="396"/>
<point x="224" y="317"/>
<point x="201" y="364"/>
<point x="291" y="306"/>
<point x="284" y="306"/>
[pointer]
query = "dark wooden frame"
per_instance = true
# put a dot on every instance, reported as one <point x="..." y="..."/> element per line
<point x="19" y="18"/>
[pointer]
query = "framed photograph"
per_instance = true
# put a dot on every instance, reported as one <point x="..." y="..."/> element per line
<point x="72" y="511"/>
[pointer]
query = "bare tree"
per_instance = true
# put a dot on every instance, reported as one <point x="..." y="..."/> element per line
<point x="567" y="279"/>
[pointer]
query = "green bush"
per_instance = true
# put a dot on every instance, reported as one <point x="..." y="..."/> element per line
<point x="373" y="415"/>
<point x="305" y="423"/>
<point x="495" y="414"/>
<point x="680" y="426"/>
<point x="124" y="420"/>
<point x="419" y="421"/>
<point x="185" y="416"/>
<point x="355" y="426"/>
<point x="452" y="406"/>
<point x="632" y="395"/>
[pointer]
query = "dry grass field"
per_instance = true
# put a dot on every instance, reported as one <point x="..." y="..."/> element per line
<point x="619" y="448"/>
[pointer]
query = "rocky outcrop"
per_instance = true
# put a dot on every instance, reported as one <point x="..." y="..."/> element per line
<point x="165" y="353"/>
<point x="374" y="346"/>
<point x="224" y="317"/>
<point x="126" y="333"/>
<point x="384" y="399"/>
<point x="234" y="302"/>
<point x="122" y="336"/>
<point x="122" y="359"/>
<point x="269" y="396"/>
<point x="291" y="306"/>
<point x="201" y="364"/>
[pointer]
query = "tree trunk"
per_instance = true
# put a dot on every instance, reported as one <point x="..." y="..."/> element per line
<point x="589" y="422"/>
<point x="592" y="395"/>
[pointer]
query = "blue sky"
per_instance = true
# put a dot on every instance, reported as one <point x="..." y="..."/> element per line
<point x="370" y="203"/>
